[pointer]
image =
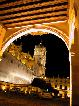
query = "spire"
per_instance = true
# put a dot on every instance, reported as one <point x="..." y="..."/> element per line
<point x="58" y="75"/>
<point x="41" y="43"/>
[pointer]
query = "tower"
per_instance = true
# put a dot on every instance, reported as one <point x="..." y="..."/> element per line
<point x="40" y="58"/>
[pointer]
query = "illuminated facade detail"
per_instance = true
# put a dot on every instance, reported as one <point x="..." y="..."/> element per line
<point x="14" y="71"/>
<point x="63" y="92"/>
<point x="20" y="67"/>
<point x="36" y="63"/>
<point x="3" y="87"/>
<point x="61" y="84"/>
<point x="38" y="33"/>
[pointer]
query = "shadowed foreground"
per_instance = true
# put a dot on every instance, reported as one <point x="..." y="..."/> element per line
<point x="26" y="100"/>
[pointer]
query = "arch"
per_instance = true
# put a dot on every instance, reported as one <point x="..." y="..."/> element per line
<point x="36" y="28"/>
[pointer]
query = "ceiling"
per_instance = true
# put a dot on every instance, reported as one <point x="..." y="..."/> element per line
<point x="16" y="13"/>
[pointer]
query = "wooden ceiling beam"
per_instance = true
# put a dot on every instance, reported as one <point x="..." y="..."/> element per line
<point x="50" y="9"/>
<point x="60" y="18"/>
<point x="31" y="6"/>
<point x="17" y="2"/>
<point x="34" y="17"/>
<point x="20" y="2"/>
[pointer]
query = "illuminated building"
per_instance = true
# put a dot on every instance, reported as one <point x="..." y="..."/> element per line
<point x="61" y="84"/>
<point x="57" y="14"/>
<point x="40" y="59"/>
<point x="14" y="71"/>
<point x="40" y="54"/>
<point x="20" y="68"/>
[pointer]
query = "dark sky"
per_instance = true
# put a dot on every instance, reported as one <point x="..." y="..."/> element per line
<point x="57" y="56"/>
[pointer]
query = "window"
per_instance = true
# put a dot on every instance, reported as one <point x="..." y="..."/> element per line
<point x="56" y="80"/>
<point x="60" y="86"/>
<point x="60" y="80"/>
<point x="55" y="86"/>
<point x="65" y="87"/>
<point x="4" y="56"/>
<point x="11" y="61"/>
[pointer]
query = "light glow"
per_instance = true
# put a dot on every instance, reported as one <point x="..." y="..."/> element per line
<point x="3" y="87"/>
<point x="71" y="27"/>
<point x="63" y="87"/>
<point x="70" y="79"/>
<point x="58" y="87"/>
<point x="17" y="27"/>
<point x="45" y="78"/>
<point x="59" y="21"/>
<point x="23" y="77"/>
<point x="39" y="24"/>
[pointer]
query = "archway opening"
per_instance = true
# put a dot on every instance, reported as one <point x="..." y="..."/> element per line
<point x="57" y="54"/>
<point x="57" y="65"/>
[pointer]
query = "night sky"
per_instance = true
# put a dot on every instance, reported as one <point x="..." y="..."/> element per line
<point x="57" y="56"/>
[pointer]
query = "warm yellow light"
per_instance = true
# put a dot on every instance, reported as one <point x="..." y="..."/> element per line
<point x="25" y="91"/>
<point x="23" y="61"/>
<point x="52" y="94"/>
<point x="71" y="27"/>
<point x="68" y="95"/>
<point x="63" y="87"/>
<point x="58" y="87"/>
<point x="17" y="27"/>
<point x="70" y="79"/>
<point x="68" y="88"/>
<point x="42" y="77"/>
<point x="3" y="87"/>
<point x="28" y="79"/>
<point x="9" y="28"/>
<point x="62" y="94"/>
<point x="0" y="58"/>
<point x="45" y="78"/>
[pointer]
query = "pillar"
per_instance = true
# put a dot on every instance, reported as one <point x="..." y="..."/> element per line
<point x="2" y="34"/>
<point x="74" y="49"/>
<point x="75" y="71"/>
<point x="75" y="58"/>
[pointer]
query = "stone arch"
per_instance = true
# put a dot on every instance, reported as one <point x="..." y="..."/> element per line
<point x="39" y="29"/>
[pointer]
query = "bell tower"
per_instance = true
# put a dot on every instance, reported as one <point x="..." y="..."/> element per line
<point x="40" y="54"/>
<point x="40" y="57"/>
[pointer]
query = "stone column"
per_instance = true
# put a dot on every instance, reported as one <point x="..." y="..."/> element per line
<point x="75" y="58"/>
<point x="74" y="49"/>
<point x="75" y="69"/>
<point x="2" y="34"/>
